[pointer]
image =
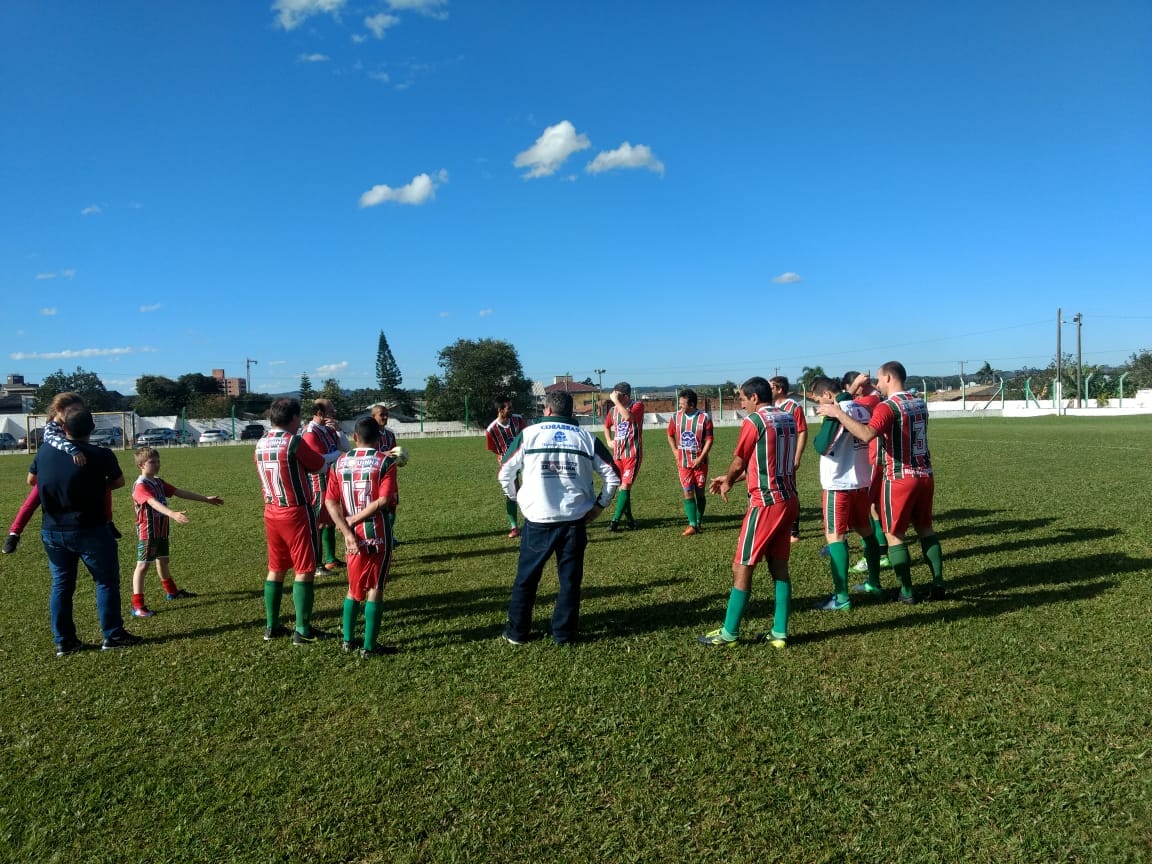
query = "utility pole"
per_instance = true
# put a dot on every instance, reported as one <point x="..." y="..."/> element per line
<point x="1059" y="368"/>
<point x="1078" y="318"/>
<point x="248" y="364"/>
<point x="963" y="389"/>
<point x="599" y="373"/>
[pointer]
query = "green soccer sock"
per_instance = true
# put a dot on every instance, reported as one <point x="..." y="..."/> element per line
<point x="701" y="503"/>
<point x="872" y="556"/>
<point x="328" y="542"/>
<point x="303" y="596"/>
<point x="931" y="549"/>
<point x="838" y="563"/>
<point x="783" y="607"/>
<point x="737" y="601"/>
<point x="510" y="509"/>
<point x="351" y="607"/>
<point x="691" y="512"/>
<point x="902" y="564"/>
<point x="373" y="615"/>
<point x="881" y="539"/>
<point x="621" y="504"/>
<point x="273" y="593"/>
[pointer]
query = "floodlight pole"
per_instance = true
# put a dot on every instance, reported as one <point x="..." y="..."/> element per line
<point x="599" y="373"/>
<point x="1056" y="386"/>
<point x="248" y="364"/>
<point x="1078" y="318"/>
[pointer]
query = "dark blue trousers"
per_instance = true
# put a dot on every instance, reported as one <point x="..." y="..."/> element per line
<point x="100" y="554"/>
<point x="539" y="541"/>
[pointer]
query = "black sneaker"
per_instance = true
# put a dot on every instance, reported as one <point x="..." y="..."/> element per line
<point x="115" y="531"/>
<point x="123" y="639"/>
<point x="10" y="544"/>
<point x="906" y="599"/>
<point x="630" y="524"/>
<point x="937" y="592"/>
<point x="378" y="651"/>
<point x="276" y="632"/>
<point x="613" y="525"/>
<point x="180" y="595"/>
<point x="68" y="646"/>
<point x="314" y="635"/>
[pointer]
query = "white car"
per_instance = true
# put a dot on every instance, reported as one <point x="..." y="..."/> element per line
<point x="214" y="436"/>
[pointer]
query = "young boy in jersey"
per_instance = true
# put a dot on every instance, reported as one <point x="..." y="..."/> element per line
<point x="624" y="431"/>
<point x="150" y="497"/>
<point x="690" y="436"/>
<point x="361" y="490"/>
<point x="54" y="437"/>
<point x="845" y="474"/>
<point x="765" y="456"/>
<point x="499" y="435"/>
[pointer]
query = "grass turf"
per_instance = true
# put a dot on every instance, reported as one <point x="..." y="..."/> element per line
<point x="1009" y="723"/>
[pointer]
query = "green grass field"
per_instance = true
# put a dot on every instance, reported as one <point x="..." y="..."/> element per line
<point x="1010" y="723"/>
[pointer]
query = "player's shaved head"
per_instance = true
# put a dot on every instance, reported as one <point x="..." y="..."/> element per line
<point x="896" y="370"/>
<point x="368" y="431"/>
<point x="560" y="403"/>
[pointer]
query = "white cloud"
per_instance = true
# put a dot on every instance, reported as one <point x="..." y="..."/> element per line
<point x="313" y="58"/>
<point x="484" y="313"/>
<point x="331" y="367"/>
<point x="557" y="143"/>
<point x="380" y="23"/>
<point x="358" y="38"/>
<point x="290" y="14"/>
<point x="443" y="314"/>
<point x="45" y="275"/>
<point x="73" y="353"/>
<point x="68" y="272"/>
<point x="422" y="188"/>
<point x="788" y="278"/>
<point x="92" y="210"/>
<point x="150" y="308"/>
<point x="626" y="156"/>
<point x="277" y="362"/>
<point x="48" y="310"/>
<point x="380" y="76"/>
<point x="431" y="8"/>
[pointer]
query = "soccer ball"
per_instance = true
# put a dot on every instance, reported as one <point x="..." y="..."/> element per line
<point x="400" y="455"/>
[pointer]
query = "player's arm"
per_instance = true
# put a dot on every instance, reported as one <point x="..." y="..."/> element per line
<point x="512" y="462"/>
<point x="609" y="473"/>
<point x="214" y="500"/>
<point x="801" y="440"/>
<point x="709" y="440"/>
<point x="672" y="438"/>
<point x="310" y="458"/>
<point x="822" y="443"/>
<point x="723" y="484"/>
<point x="336" y="511"/>
<point x="856" y="429"/>
<point x="177" y="515"/>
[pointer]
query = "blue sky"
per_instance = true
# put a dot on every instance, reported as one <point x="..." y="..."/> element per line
<point x="668" y="191"/>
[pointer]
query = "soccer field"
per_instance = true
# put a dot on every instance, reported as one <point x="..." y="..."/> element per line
<point x="1009" y="723"/>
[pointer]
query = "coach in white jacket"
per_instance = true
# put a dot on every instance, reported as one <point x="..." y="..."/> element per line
<point x="559" y="462"/>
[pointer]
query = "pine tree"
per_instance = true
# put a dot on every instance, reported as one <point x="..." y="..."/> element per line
<point x="307" y="394"/>
<point x="389" y="379"/>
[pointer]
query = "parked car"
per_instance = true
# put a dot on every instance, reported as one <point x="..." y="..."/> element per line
<point x="8" y="441"/>
<point x="214" y="436"/>
<point x="157" y="437"/>
<point x="252" y="432"/>
<point x="113" y="436"/>
<point x="37" y="439"/>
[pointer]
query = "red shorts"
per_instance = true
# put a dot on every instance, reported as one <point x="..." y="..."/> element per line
<point x="629" y="468"/>
<point x="368" y="570"/>
<point x="291" y="533"/>
<point x="766" y="533"/>
<point x="694" y="478"/>
<point x="847" y="510"/>
<point x="874" y="483"/>
<point x="906" y="502"/>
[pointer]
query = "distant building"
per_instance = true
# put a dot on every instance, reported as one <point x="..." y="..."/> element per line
<point x="16" y="397"/>
<point x="229" y="386"/>
<point x="585" y="397"/>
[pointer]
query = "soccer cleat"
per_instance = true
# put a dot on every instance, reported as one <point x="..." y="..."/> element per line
<point x="313" y="635"/>
<point x="271" y="633"/>
<point x="142" y="612"/>
<point x="514" y="533"/>
<point x="860" y="566"/>
<point x="834" y="605"/>
<point x="885" y="564"/>
<point x="906" y="599"/>
<point x="378" y="651"/>
<point x="774" y="640"/>
<point x="867" y="588"/>
<point x="346" y="646"/>
<point x="69" y="646"/>
<point x="335" y="564"/>
<point x="115" y="531"/>
<point x="630" y="524"/>
<point x="715" y="637"/>
<point x="795" y="538"/>
<point x="513" y="640"/>
<point x="123" y="639"/>
<point x="613" y="525"/>
<point x="319" y="571"/>
<point x="690" y="531"/>
<point x="937" y="592"/>
<point x="180" y="594"/>
<point x="10" y="543"/>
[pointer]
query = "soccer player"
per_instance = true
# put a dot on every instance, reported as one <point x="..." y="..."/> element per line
<point x="381" y="414"/>
<point x="150" y="497"/>
<point x="690" y="436"/>
<point x="624" y="431"/>
<point x="323" y="433"/>
<point x="499" y="435"/>
<point x="765" y="455"/>
<point x="360" y="492"/>
<point x="900" y="422"/>
<point x="785" y="401"/>
<point x="859" y="386"/>
<point x="283" y="461"/>
<point x="845" y="473"/>
<point x="559" y="461"/>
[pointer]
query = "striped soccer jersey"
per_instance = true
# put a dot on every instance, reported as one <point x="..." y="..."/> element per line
<point x="151" y="524"/>
<point x="691" y="431"/>
<point x="767" y="444"/>
<point x="324" y="440"/>
<point x="499" y="436"/>
<point x="628" y="440"/>
<point x="796" y="410"/>
<point x="283" y="461"/>
<point x="902" y="421"/>
<point x="358" y="478"/>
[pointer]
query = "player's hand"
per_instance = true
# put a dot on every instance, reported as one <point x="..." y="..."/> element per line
<point x="351" y="543"/>
<point x="80" y="459"/>
<point x="720" y="486"/>
<point x="591" y="515"/>
<point x="181" y="517"/>
<point x="214" y="500"/>
<point x="825" y="409"/>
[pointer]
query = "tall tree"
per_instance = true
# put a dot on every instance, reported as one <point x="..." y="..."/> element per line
<point x="1139" y="369"/>
<point x="331" y="391"/>
<point x="87" y="384"/>
<point x="198" y="384"/>
<point x="307" y="394"/>
<point x="157" y="396"/>
<point x="480" y="370"/>
<point x="807" y="375"/>
<point x="389" y="379"/>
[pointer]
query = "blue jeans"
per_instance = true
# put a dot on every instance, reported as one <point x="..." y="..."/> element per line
<point x="99" y="552"/>
<point x="538" y="542"/>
